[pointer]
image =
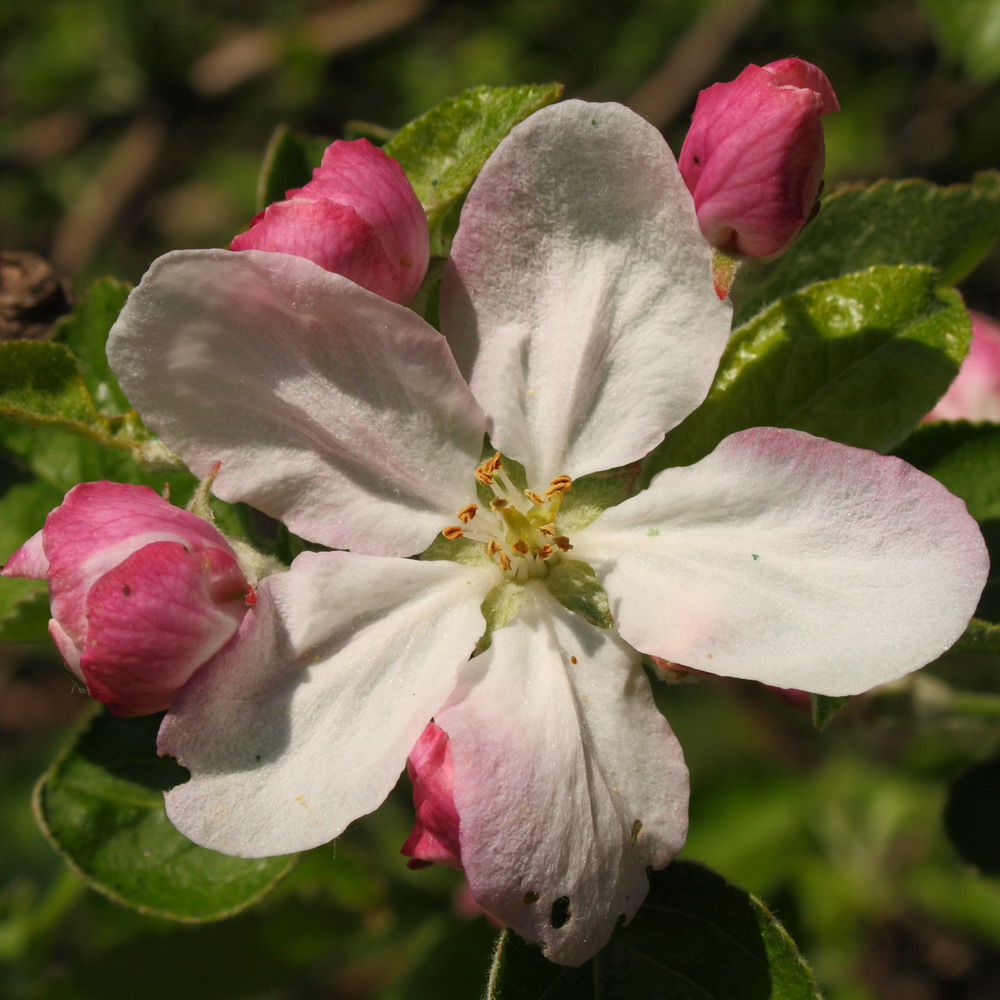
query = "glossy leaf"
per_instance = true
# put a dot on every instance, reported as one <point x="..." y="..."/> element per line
<point x="443" y="150"/>
<point x="101" y="806"/>
<point x="858" y="359"/>
<point x="696" y="936"/>
<point x="889" y="222"/>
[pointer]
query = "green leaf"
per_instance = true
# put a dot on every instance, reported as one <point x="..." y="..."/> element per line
<point x="825" y="707"/>
<point x="966" y="458"/>
<point x="443" y="150"/>
<point x="85" y="333"/>
<point x="101" y="806"/>
<point x="289" y="161"/>
<point x="696" y="936"/>
<point x="42" y="384"/>
<point x="969" y="31"/>
<point x="858" y="359"/>
<point x="890" y="222"/>
<point x="963" y="456"/>
<point x="972" y="816"/>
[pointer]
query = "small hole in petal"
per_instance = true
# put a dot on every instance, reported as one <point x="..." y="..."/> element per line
<point x="560" y="912"/>
<point x="126" y="590"/>
<point x="530" y="897"/>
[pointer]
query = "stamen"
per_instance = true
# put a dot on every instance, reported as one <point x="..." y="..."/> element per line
<point x="548" y="530"/>
<point x="563" y="542"/>
<point x="520" y="546"/>
<point x="492" y="547"/>
<point x="544" y="552"/>
<point x="466" y="514"/>
<point x="485" y="471"/>
<point x="534" y="497"/>
<point x="452" y="532"/>
<point x="501" y="503"/>
<point x="561" y="484"/>
<point x="504" y="561"/>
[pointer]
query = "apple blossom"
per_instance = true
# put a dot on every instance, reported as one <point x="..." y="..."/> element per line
<point x="358" y="217"/>
<point x="975" y="392"/>
<point x="753" y="157"/>
<point x="579" y="325"/>
<point x="142" y="593"/>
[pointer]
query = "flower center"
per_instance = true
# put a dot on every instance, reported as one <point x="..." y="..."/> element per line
<point x="518" y="527"/>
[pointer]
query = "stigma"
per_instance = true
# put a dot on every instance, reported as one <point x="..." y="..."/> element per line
<point x="517" y="529"/>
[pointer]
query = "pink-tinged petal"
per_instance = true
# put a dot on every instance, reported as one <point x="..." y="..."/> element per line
<point x="435" y="829"/>
<point x="568" y="781"/>
<point x="793" y="561"/>
<point x="753" y="157"/>
<point x="358" y="217"/>
<point x="96" y="527"/>
<point x="975" y="393"/>
<point x="29" y="561"/>
<point x="331" y="235"/>
<point x="330" y="408"/>
<point x="154" y="619"/>
<point x="579" y="297"/>
<point x="304" y="721"/>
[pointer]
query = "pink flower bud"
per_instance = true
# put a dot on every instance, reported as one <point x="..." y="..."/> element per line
<point x="435" y="830"/>
<point x="753" y="157"/>
<point x="142" y="593"/>
<point x="358" y="217"/>
<point x="975" y="393"/>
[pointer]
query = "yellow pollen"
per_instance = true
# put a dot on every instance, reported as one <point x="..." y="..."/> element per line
<point x="561" y="484"/>
<point x="466" y="514"/>
<point x="548" y="530"/>
<point x="452" y="532"/>
<point x="484" y="473"/>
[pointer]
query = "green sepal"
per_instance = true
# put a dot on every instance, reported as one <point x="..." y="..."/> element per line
<point x="825" y="707"/>
<point x="101" y="807"/>
<point x="696" y="936"/>
<point x="499" y="607"/>
<point x="443" y="150"/>
<point x="576" y="587"/>
<point x="910" y="222"/>
<point x="591" y="495"/>
<point x="858" y="359"/>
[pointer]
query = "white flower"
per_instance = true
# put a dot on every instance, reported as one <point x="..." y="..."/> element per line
<point x="578" y="305"/>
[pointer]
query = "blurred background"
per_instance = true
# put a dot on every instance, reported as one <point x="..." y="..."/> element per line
<point x="133" y="127"/>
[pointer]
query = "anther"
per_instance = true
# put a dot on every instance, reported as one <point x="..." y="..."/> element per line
<point x="521" y="547"/>
<point x="504" y="561"/>
<point x="499" y="504"/>
<point x="452" y="532"/>
<point x="466" y="514"/>
<point x="548" y="530"/>
<point x="492" y="547"/>
<point x="563" y="542"/>
<point x="534" y="497"/>
<point x="544" y="552"/>
<point x="561" y="484"/>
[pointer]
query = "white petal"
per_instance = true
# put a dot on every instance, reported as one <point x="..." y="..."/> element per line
<point x="303" y="723"/>
<point x="568" y="782"/>
<point x="331" y="408"/>
<point x="579" y="298"/>
<point x="791" y="560"/>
